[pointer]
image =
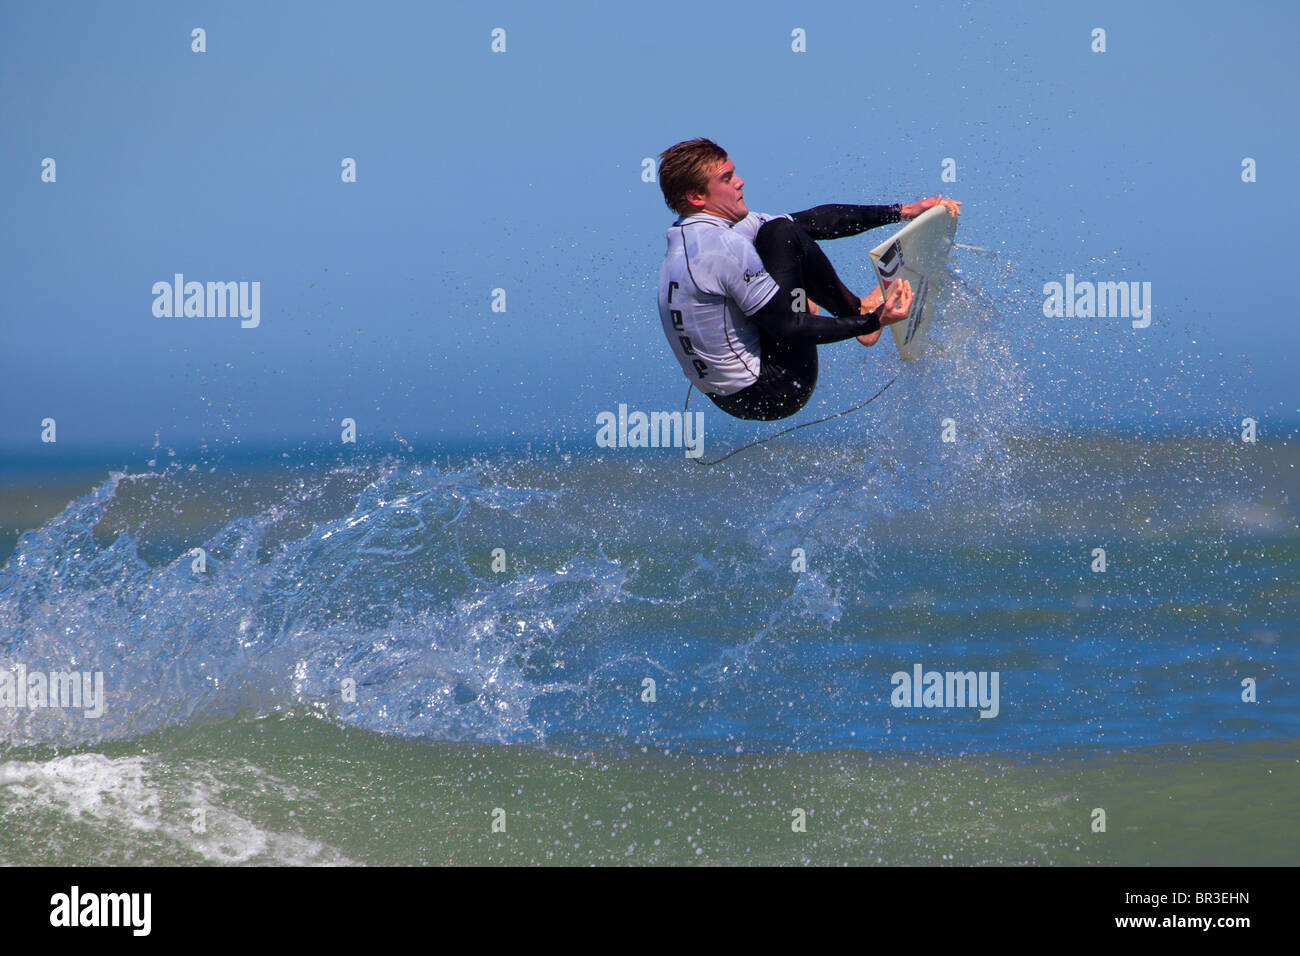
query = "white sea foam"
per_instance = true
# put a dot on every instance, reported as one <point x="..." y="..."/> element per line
<point x="161" y="803"/>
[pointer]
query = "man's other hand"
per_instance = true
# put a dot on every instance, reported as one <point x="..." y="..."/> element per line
<point x="898" y="303"/>
<point x="896" y="307"/>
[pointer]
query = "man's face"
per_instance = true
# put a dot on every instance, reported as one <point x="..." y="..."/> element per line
<point x="725" y="194"/>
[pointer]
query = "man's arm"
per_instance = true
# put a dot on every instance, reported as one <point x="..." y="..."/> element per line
<point x="743" y="278"/>
<point x="835" y="220"/>
<point x="778" y="319"/>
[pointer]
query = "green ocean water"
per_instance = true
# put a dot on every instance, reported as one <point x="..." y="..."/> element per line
<point x="297" y="789"/>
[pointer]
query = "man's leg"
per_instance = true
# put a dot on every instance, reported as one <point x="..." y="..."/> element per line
<point x="789" y="369"/>
<point x="795" y="261"/>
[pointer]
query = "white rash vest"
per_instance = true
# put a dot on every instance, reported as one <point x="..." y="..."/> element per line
<point x="712" y="278"/>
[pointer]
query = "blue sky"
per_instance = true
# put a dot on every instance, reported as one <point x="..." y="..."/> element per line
<point x="522" y="170"/>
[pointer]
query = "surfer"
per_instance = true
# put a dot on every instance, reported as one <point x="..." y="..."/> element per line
<point x="738" y="291"/>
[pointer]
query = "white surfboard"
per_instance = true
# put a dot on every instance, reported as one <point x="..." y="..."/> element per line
<point x="918" y="253"/>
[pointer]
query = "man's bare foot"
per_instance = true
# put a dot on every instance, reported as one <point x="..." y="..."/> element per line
<point x="868" y="303"/>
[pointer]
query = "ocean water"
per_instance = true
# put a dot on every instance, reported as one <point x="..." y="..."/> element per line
<point x="562" y="654"/>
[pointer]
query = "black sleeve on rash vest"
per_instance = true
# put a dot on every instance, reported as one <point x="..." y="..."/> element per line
<point x="778" y="319"/>
<point x="835" y="221"/>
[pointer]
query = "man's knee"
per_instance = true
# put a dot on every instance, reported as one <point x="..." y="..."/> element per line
<point x="779" y="235"/>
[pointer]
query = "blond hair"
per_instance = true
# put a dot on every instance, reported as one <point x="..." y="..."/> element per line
<point x="686" y="168"/>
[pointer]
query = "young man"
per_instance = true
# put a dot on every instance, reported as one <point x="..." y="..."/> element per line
<point x="737" y="288"/>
